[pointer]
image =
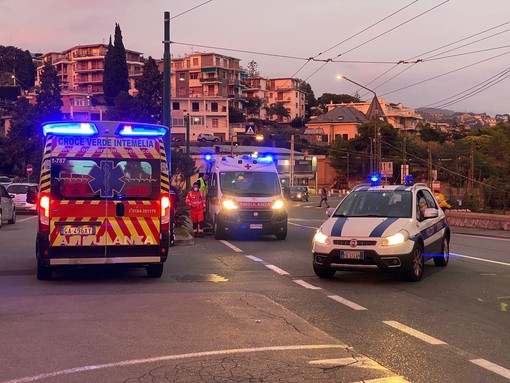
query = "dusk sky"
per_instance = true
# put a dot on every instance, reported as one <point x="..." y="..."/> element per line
<point x="463" y="46"/>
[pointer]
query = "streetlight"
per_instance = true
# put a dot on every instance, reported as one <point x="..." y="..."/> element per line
<point x="377" y="140"/>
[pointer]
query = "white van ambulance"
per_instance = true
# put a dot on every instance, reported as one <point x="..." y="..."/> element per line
<point x="245" y="196"/>
<point x="103" y="196"/>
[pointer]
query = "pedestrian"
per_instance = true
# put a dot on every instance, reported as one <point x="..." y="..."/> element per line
<point x="324" y="197"/>
<point x="203" y="182"/>
<point x="196" y="202"/>
<point x="174" y="201"/>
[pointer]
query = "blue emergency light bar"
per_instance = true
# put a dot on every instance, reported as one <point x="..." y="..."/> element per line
<point x="208" y="157"/>
<point x="140" y="130"/>
<point x="408" y="180"/>
<point x="269" y="159"/>
<point x="375" y="179"/>
<point x="70" y="128"/>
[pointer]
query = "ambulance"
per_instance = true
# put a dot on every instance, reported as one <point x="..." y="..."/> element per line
<point x="103" y="196"/>
<point x="245" y="197"/>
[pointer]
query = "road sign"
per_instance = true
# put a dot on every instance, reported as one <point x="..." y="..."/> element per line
<point x="30" y="169"/>
<point x="387" y="169"/>
<point x="436" y="185"/>
<point x="249" y="129"/>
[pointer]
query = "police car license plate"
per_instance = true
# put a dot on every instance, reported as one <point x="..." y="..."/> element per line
<point x="351" y="254"/>
<point x="255" y="226"/>
<point x="77" y="230"/>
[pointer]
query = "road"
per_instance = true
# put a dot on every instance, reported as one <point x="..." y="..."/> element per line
<point x="253" y="310"/>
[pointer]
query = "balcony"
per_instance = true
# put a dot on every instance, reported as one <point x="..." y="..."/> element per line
<point x="93" y="69"/>
<point x="210" y="79"/>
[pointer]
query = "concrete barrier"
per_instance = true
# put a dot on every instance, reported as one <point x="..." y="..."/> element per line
<point x="478" y="220"/>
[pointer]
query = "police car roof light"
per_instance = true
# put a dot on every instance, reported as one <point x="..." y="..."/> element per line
<point x="140" y="130"/>
<point x="70" y="128"/>
<point x="408" y="180"/>
<point x="208" y="157"/>
<point x="375" y="179"/>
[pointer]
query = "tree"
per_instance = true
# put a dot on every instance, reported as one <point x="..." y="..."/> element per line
<point x="150" y="92"/>
<point x="235" y="115"/>
<point x="253" y="71"/>
<point x="14" y="61"/>
<point x="328" y="98"/>
<point x="49" y="99"/>
<point x="279" y="110"/>
<point x="310" y="100"/>
<point x="116" y="75"/>
<point x="183" y="168"/>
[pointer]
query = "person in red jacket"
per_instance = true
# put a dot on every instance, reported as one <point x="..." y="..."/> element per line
<point x="196" y="202"/>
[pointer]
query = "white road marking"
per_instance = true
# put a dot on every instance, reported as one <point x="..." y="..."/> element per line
<point x="306" y="284"/>
<point x="24" y="219"/>
<point x="346" y="302"/>
<point x="480" y="259"/>
<point x="170" y="357"/>
<point x="295" y="224"/>
<point x="482" y="236"/>
<point x="492" y="367"/>
<point x="253" y="258"/>
<point x="228" y="244"/>
<point x="391" y="379"/>
<point x="277" y="269"/>
<point x="413" y="332"/>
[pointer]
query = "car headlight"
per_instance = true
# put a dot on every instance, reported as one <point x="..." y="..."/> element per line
<point x="278" y="204"/>
<point x="321" y="238"/>
<point x="229" y="204"/>
<point x="298" y="195"/>
<point x="396" y="239"/>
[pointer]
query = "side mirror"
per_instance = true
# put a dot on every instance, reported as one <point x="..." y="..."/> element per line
<point x="32" y="195"/>
<point x="430" y="213"/>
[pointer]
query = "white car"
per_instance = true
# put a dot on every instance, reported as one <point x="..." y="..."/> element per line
<point x="204" y="137"/>
<point x="5" y="181"/>
<point x="7" y="207"/>
<point x="383" y="228"/>
<point x="20" y="191"/>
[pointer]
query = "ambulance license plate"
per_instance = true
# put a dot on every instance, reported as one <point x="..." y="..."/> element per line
<point x="256" y="226"/>
<point x="77" y="230"/>
<point x="351" y="254"/>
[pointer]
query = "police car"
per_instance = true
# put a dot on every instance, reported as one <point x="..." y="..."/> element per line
<point x="394" y="228"/>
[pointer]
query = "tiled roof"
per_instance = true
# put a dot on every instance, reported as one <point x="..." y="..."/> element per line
<point x="341" y="114"/>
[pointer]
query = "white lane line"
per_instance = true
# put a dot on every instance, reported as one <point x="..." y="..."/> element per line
<point x="346" y="302"/>
<point x="413" y="332"/>
<point x="295" y="224"/>
<point x="306" y="284"/>
<point x="24" y="219"/>
<point x="170" y="357"/>
<point x="228" y="244"/>
<point x="480" y="259"/>
<point x="277" y="269"/>
<point x="253" y="258"/>
<point x="482" y="236"/>
<point x="492" y="367"/>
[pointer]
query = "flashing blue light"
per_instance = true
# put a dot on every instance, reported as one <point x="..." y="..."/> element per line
<point x="375" y="179"/>
<point x="138" y="130"/>
<point x="208" y="157"/>
<point x="408" y="180"/>
<point x="70" y="128"/>
<point x="269" y="159"/>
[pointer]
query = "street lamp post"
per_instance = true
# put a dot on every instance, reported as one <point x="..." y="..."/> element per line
<point x="377" y="139"/>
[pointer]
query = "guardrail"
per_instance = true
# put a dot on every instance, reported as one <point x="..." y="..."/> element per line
<point x="478" y="220"/>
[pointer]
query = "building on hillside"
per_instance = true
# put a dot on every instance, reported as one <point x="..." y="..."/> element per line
<point x="203" y="87"/>
<point x="398" y="116"/>
<point x="339" y="122"/>
<point x="287" y="92"/>
<point x="256" y="91"/>
<point x="80" y="71"/>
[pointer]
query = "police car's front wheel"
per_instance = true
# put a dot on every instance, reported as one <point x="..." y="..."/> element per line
<point x="322" y="272"/>
<point x="155" y="270"/>
<point x="415" y="271"/>
<point x="443" y="258"/>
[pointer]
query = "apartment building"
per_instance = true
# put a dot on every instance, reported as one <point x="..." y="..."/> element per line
<point x="256" y="95"/>
<point x="203" y="86"/>
<point x="80" y="70"/>
<point x="286" y="91"/>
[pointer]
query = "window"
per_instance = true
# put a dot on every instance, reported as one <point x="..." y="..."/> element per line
<point x="177" y="121"/>
<point x="214" y="106"/>
<point x="215" y="123"/>
<point x="193" y="75"/>
<point x="345" y="137"/>
<point x="195" y="107"/>
<point x="197" y="120"/>
<point x="176" y="105"/>
<point x="195" y="61"/>
<point x="182" y="76"/>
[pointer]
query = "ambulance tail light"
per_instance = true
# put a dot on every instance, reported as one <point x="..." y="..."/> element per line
<point x="165" y="212"/>
<point x="44" y="213"/>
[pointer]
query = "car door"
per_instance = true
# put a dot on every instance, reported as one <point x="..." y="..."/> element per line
<point x="6" y="204"/>
<point x="430" y="228"/>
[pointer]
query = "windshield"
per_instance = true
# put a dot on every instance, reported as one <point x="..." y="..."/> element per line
<point x="378" y="203"/>
<point x="250" y="184"/>
<point x="105" y="178"/>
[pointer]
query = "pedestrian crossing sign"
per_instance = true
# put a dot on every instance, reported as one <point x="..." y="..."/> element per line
<point x="249" y="130"/>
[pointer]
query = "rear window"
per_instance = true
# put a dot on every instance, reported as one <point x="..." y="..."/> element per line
<point x="105" y="178"/>
<point x="17" y="189"/>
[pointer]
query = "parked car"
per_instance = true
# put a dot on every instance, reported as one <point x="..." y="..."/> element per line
<point x="7" y="207"/>
<point x="298" y="193"/>
<point x="205" y="137"/>
<point x="20" y="191"/>
<point x="5" y="181"/>
<point x="392" y="228"/>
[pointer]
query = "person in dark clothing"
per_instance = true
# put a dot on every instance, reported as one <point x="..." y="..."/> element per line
<point x="174" y="201"/>
<point x="324" y="197"/>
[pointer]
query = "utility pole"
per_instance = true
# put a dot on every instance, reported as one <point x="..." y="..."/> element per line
<point x="292" y="160"/>
<point x="471" y="170"/>
<point x="429" y="151"/>
<point x="347" y="170"/>
<point x="166" y="90"/>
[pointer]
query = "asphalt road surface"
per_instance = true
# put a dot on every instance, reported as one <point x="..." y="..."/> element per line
<point x="254" y="311"/>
